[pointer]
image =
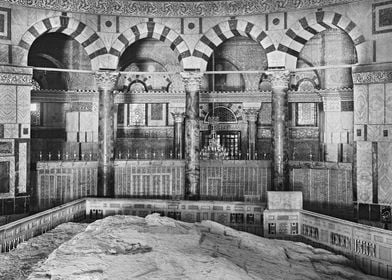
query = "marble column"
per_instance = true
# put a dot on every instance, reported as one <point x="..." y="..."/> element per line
<point x="192" y="82"/>
<point x="178" y="134"/>
<point x="279" y="82"/>
<point x="106" y="81"/>
<point x="251" y="116"/>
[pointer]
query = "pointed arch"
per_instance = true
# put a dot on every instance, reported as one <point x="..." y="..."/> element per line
<point x="226" y="30"/>
<point x="151" y="30"/>
<point x="74" y="28"/>
<point x="302" y="31"/>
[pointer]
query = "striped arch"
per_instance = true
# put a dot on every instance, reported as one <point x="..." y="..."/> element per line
<point x="302" y="31"/>
<point x="151" y="30"/>
<point x="226" y="30"/>
<point x="77" y="30"/>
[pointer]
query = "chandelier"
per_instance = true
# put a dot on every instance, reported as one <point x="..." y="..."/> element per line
<point x="213" y="150"/>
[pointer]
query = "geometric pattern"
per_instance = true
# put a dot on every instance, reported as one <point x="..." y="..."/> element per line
<point x="7" y="104"/>
<point x="150" y="30"/>
<point x="364" y="172"/>
<point x="384" y="172"/>
<point x="302" y="31"/>
<point x="23" y="104"/>
<point x="77" y="30"/>
<point x="226" y="30"/>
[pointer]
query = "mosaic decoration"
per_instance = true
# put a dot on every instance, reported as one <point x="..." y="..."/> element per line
<point x="77" y="30"/>
<point x="295" y="40"/>
<point x="176" y="8"/>
<point x="226" y="30"/>
<point x="382" y="17"/>
<point x="150" y="30"/>
<point x="5" y="23"/>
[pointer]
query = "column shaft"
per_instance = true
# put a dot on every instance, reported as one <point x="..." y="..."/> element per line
<point x="192" y="163"/>
<point x="106" y="133"/>
<point x="279" y="82"/>
<point x="251" y="115"/>
<point x="178" y="146"/>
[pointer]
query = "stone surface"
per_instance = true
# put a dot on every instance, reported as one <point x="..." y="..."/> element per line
<point x="18" y="263"/>
<point x="127" y="247"/>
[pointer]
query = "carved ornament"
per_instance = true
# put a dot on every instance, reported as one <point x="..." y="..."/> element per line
<point x="178" y="117"/>
<point x="279" y="78"/>
<point x="251" y="114"/>
<point x="192" y="80"/>
<point x="372" y="77"/>
<point x="106" y="80"/>
<point x="176" y="8"/>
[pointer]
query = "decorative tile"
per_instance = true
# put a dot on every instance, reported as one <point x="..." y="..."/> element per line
<point x="361" y="104"/>
<point x="376" y="104"/>
<point x="23" y="104"/>
<point x="364" y="172"/>
<point x="7" y="104"/>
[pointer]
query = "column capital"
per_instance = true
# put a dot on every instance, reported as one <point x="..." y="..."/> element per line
<point x="178" y="116"/>
<point x="279" y="78"/>
<point x="251" y="114"/>
<point x="106" y="80"/>
<point x="192" y="80"/>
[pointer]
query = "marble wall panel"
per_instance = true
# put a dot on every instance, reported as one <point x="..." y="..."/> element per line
<point x="11" y="130"/>
<point x="23" y="104"/>
<point x="88" y="121"/>
<point x="388" y="103"/>
<point x="22" y="168"/>
<point x="361" y="104"/>
<point x="7" y="104"/>
<point x="384" y="172"/>
<point x="375" y="132"/>
<point x="376" y="103"/>
<point x="72" y="121"/>
<point x="364" y="172"/>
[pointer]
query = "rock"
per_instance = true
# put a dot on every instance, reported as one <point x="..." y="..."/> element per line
<point x="127" y="247"/>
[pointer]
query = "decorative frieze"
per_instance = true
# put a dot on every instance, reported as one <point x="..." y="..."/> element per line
<point x="304" y="133"/>
<point x="15" y="79"/>
<point x="372" y="77"/>
<point x="176" y="8"/>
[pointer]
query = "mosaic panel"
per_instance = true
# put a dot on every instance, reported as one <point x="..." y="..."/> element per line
<point x="23" y="105"/>
<point x="376" y="104"/>
<point x="364" y="172"/>
<point x="7" y="104"/>
<point x="22" y="167"/>
<point x="388" y="103"/>
<point x="384" y="172"/>
<point x="361" y="104"/>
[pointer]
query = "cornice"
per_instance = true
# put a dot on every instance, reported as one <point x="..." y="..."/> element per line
<point x="175" y="8"/>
